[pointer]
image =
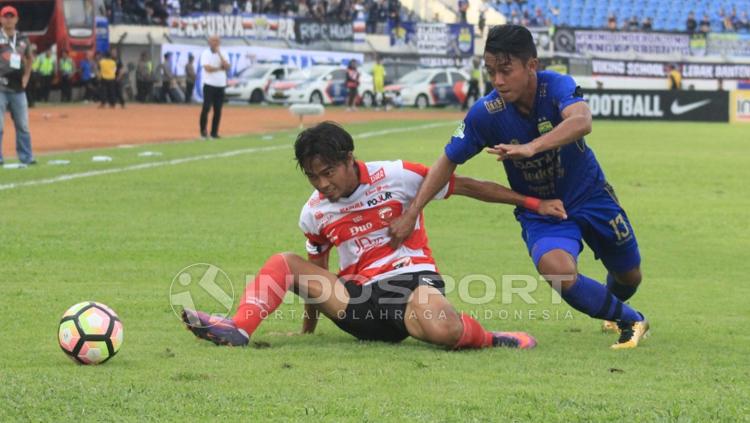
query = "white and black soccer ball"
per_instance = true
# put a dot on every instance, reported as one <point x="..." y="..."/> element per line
<point x="90" y="333"/>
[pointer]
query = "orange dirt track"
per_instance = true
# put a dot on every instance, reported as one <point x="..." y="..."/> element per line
<point x="66" y="128"/>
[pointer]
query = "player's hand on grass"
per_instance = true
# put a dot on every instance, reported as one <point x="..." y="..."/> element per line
<point x="512" y="151"/>
<point x="552" y="208"/>
<point x="401" y="227"/>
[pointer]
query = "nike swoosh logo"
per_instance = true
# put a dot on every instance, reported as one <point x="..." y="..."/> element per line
<point x="676" y="109"/>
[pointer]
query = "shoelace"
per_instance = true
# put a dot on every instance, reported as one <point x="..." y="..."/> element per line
<point x="626" y="334"/>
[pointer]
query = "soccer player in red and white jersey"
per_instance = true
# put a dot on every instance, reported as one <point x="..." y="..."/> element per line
<point x="380" y="293"/>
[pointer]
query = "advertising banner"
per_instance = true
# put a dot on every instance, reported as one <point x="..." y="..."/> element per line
<point x="242" y="57"/>
<point x="439" y="39"/>
<point x="251" y="26"/>
<point x="703" y="106"/>
<point x="311" y="30"/>
<point x="402" y="33"/>
<point x="586" y="41"/>
<point x="739" y="106"/>
<point x="728" y="44"/>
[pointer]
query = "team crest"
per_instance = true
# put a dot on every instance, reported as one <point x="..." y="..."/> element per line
<point x="544" y="126"/>
<point x="385" y="213"/>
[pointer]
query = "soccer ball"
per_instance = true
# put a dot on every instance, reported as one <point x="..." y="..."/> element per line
<point x="90" y="333"/>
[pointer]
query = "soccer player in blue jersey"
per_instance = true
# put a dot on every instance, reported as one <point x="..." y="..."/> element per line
<point x="535" y="121"/>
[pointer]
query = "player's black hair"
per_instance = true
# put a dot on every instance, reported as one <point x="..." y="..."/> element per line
<point x="511" y="41"/>
<point x="327" y="141"/>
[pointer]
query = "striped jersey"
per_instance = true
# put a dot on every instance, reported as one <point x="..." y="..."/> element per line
<point x="358" y="225"/>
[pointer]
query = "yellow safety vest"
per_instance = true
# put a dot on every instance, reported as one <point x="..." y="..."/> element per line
<point x="47" y="67"/>
<point x="66" y="66"/>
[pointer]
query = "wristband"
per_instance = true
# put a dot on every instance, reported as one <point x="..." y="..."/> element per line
<point x="532" y="203"/>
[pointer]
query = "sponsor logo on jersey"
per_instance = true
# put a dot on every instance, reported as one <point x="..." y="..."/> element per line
<point x="331" y="236"/>
<point x="380" y="199"/>
<point x="366" y="244"/>
<point x="494" y="106"/>
<point x="377" y="176"/>
<point x="356" y="205"/>
<point x="354" y="230"/>
<point x="376" y="189"/>
<point x="314" y="201"/>
<point x="402" y="262"/>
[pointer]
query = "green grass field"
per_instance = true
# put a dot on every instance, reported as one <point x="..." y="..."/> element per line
<point x="121" y="237"/>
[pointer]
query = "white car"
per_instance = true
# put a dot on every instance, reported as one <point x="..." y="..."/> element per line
<point x="430" y="87"/>
<point x="252" y="83"/>
<point x="320" y="85"/>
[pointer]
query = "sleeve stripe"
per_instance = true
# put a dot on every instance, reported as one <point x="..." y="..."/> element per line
<point x="417" y="168"/>
<point x="451" y="186"/>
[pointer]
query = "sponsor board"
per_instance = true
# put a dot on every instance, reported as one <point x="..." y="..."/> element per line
<point x="705" y="106"/>
<point x="739" y="104"/>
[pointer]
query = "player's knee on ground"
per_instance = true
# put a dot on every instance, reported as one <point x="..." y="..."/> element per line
<point x="434" y="323"/>
<point x="558" y="268"/>
<point x="632" y="277"/>
<point x="290" y="258"/>
<point x="443" y="328"/>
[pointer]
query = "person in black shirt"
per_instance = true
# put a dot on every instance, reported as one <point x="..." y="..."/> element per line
<point x="691" y="24"/>
<point x="352" y="85"/>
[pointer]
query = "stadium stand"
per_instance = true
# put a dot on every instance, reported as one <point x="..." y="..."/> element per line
<point x="156" y="12"/>
<point x="665" y="15"/>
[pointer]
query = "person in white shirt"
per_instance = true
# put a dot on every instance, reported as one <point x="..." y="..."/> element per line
<point x="215" y="66"/>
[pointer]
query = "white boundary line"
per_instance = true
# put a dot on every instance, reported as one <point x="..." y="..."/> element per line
<point x="72" y="176"/>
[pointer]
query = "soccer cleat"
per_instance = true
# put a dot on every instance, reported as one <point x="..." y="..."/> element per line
<point x="609" y="326"/>
<point x="631" y="334"/>
<point x="219" y="330"/>
<point x="520" y="340"/>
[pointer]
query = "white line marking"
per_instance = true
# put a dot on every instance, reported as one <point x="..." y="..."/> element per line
<point x="232" y="153"/>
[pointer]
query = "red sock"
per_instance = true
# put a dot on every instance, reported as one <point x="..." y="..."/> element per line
<point x="473" y="335"/>
<point x="264" y="295"/>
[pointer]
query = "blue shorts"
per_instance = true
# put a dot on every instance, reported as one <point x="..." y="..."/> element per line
<point x="599" y="221"/>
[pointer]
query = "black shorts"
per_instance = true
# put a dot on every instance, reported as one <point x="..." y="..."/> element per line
<point x="376" y="311"/>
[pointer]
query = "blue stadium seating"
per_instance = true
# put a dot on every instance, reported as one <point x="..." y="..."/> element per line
<point x="667" y="15"/>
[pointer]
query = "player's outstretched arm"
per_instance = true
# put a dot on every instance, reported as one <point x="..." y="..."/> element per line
<point x="439" y="175"/>
<point x="575" y="125"/>
<point x="492" y="192"/>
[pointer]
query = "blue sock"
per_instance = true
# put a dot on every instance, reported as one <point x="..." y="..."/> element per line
<point x="623" y="292"/>
<point x="590" y="297"/>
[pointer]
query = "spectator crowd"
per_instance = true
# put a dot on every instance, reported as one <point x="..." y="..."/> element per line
<point x="156" y="12"/>
<point x="103" y="78"/>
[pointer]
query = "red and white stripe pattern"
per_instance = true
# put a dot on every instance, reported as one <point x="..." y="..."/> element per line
<point x="358" y="225"/>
